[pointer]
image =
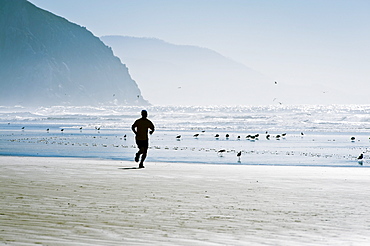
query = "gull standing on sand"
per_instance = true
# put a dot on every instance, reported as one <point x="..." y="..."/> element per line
<point x="360" y="159"/>
<point x="239" y="154"/>
<point x="221" y="151"/>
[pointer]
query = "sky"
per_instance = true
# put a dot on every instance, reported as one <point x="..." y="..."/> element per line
<point x="318" y="42"/>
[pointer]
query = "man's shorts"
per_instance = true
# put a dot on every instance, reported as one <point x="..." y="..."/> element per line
<point x="142" y="144"/>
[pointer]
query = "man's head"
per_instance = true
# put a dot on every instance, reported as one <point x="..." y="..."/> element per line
<point x="144" y="113"/>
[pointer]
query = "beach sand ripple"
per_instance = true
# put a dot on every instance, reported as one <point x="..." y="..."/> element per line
<point x="66" y="201"/>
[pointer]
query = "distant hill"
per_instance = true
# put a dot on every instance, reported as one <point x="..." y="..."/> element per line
<point x="186" y="75"/>
<point x="46" y="60"/>
<point x="171" y="74"/>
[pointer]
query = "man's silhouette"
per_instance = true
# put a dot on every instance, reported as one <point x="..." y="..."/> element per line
<point x="140" y="128"/>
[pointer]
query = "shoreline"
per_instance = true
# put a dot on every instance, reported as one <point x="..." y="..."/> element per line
<point x="79" y="201"/>
<point x="362" y="164"/>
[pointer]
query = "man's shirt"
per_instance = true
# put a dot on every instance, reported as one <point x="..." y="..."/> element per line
<point x="142" y="125"/>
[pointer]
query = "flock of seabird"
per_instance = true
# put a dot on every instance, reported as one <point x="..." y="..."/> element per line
<point x="220" y="152"/>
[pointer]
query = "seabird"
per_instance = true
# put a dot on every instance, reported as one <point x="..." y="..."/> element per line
<point x="217" y="135"/>
<point x="239" y="154"/>
<point x="221" y="151"/>
<point x="360" y="159"/>
<point x="353" y="138"/>
<point x="178" y="136"/>
<point x="196" y="135"/>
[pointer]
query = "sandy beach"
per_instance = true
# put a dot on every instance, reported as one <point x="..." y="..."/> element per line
<point x="66" y="201"/>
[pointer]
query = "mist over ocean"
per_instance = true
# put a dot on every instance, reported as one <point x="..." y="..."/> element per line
<point x="306" y="135"/>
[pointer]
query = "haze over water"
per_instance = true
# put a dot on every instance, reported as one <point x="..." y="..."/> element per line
<point x="315" y="135"/>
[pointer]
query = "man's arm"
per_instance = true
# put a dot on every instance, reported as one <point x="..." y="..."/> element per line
<point x="133" y="128"/>
<point x="152" y="129"/>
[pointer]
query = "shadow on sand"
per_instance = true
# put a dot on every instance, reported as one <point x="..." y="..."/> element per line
<point x="129" y="168"/>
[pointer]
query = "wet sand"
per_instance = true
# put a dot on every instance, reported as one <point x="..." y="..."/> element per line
<point x="66" y="201"/>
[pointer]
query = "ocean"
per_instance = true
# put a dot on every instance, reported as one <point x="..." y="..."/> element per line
<point x="301" y="135"/>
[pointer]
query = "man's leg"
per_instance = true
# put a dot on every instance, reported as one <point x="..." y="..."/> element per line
<point x="144" y="152"/>
<point x="139" y="145"/>
<point x="143" y="156"/>
<point x="137" y="156"/>
<point x="143" y="149"/>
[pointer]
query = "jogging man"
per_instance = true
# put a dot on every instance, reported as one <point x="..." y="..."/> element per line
<point x="140" y="128"/>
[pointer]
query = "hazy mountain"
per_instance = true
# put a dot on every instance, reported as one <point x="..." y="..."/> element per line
<point x="171" y="74"/>
<point x="47" y="60"/>
<point x="185" y="75"/>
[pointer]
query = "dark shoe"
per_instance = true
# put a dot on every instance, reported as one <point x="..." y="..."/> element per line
<point x="137" y="156"/>
<point x="141" y="166"/>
